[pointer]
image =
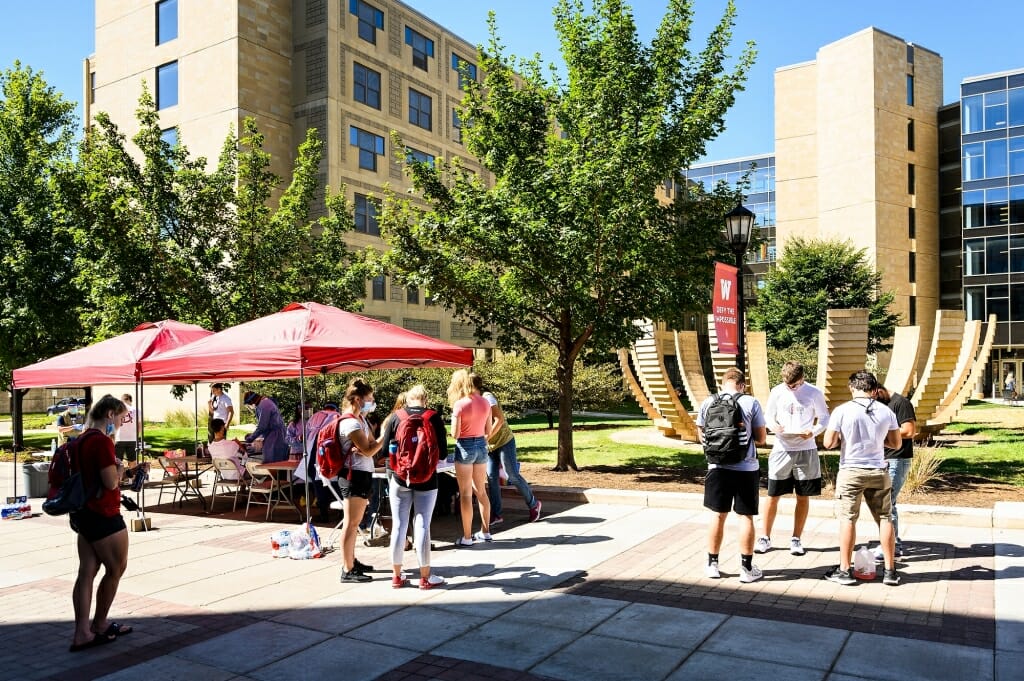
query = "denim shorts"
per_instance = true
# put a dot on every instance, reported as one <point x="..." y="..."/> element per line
<point x="471" y="450"/>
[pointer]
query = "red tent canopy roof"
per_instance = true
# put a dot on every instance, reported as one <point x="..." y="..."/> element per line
<point x="113" y="361"/>
<point x="303" y="337"/>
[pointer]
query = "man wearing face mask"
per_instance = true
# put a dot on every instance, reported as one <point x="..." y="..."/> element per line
<point x="69" y="424"/>
<point x="269" y="426"/>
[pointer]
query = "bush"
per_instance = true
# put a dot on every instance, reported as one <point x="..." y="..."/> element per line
<point x="798" y="352"/>
<point x="180" y="418"/>
<point x="924" y="468"/>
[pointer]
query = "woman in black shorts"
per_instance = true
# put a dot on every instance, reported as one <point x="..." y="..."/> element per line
<point x="102" y="535"/>
<point x="355" y="481"/>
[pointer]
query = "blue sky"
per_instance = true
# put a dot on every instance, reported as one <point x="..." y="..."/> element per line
<point x="55" y="35"/>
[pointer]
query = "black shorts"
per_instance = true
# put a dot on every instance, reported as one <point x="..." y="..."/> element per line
<point x="726" y="490"/>
<point x="361" y="484"/>
<point x="803" y="488"/>
<point x="125" y="451"/>
<point x="92" y="526"/>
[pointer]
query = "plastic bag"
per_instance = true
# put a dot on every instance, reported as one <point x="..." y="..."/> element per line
<point x="304" y="543"/>
<point x="279" y="543"/>
<point x="864" y="564"/>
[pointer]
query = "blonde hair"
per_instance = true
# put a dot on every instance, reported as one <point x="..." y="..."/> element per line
<point x="418" y="393"/>
<point x="108" y="404"/>
<point x="461" y="386"/>
<point x="400" y="401"/>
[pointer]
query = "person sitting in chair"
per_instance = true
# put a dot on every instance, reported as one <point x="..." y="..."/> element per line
<point x="232" y="450"/>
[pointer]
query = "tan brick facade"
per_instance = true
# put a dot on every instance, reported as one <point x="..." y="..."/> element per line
<point x="290" y="64"/>
<point x="843" y="157"/>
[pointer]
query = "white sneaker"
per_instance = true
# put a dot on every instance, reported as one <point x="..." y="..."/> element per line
<point x="711" y="570"/>
<point x="795" y="547"/>
<point x="751" y="575"/>
<point x="482" y="536"/>
<point x="763" y="545"/>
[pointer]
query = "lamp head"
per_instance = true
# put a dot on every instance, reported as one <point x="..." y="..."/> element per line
<point x="739" y="223"/>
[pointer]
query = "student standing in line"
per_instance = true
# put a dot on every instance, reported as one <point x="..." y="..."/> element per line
<point x="470" y="414"/>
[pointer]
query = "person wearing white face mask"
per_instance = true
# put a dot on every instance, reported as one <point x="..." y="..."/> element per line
<point x="269" y="426"/>
<point x="355" y="480"/>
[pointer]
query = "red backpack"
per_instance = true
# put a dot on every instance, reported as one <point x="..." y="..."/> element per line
<point x="418" y="450"/>
<point x="333" y="450"/>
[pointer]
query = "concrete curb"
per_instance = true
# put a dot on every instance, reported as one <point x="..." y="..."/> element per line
<point x="1004" y="514"/>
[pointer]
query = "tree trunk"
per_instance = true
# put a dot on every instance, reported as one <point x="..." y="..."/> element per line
<point x="564" y="374"/>
<point x="551" y="418"/>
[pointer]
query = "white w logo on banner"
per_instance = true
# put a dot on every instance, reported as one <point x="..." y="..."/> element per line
<point x="726" y="287"/>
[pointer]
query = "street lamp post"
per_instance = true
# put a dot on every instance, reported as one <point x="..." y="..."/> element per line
<point x="739" y="224"/>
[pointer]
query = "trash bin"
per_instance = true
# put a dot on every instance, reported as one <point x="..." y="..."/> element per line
<point x="34" y="479"/>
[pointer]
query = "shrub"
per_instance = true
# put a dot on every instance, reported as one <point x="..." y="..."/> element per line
<point x="924" y="468"/>
<point x="180" y="418"/>
<point x="798" y="352"/>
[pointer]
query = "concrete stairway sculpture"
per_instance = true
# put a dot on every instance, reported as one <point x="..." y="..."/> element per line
<point x="842" y="349"/>
<point x="955" y="400"/>
<point x="759" y="384"/>
<point x="906" y="346"/>
<point x="691" y="368"/>
<point x="653" y="377"/>
<point x="634" y="386"/>
<point x="942" y="363"/>
<point x="719" y="362"/>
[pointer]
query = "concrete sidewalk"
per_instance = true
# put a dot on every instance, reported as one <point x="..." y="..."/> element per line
<point x="593" y="591"/>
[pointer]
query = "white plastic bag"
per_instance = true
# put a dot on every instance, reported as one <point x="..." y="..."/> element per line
<point x="864" y="564"/>
<point x="279" y="543"/>
<point x="304" y="544"/>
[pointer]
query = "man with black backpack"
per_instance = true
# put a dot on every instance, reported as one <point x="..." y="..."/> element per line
<point x="730" y="424"/>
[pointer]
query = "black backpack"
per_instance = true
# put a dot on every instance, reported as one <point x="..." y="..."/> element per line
<point x="725" y="436"/>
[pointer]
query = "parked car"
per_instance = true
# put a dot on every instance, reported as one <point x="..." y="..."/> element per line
<point x="64" y="403"/>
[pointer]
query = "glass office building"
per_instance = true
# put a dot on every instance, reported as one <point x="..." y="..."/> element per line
<point x="992" y="184"/>
<point x="759" y="197"/>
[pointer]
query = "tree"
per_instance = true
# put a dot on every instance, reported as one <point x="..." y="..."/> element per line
<point x="524" y="383"/>
<point x="38" y="300"/>
<point x="811" y="277"/>
<point x="568" y="244"/>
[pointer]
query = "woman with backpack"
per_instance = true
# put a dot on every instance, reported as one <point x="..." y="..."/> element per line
<point x="470" y="414"/>
<point x="408" y="496"/>
<point x="355" y="480"/>
<point x="501" y="445"/>
<point x="102" y="534"/>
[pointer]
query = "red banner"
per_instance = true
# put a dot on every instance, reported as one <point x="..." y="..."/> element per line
<point x="724" y="308"/>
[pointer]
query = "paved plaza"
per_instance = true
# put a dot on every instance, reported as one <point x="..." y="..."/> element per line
<point x="593" y="591"/>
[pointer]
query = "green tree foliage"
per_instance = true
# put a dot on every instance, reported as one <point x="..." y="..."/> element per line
<point x="563" y="243"/>
<point x="164" y="238"/>
<point x="798" y="352"/>
<point x="37" y="295"/>
<point x="812" y="276"/>
<point x="524" y="384"/>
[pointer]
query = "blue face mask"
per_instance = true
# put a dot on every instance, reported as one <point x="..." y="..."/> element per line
<point x="368" y="407"/>
<point x="110" y="429"/>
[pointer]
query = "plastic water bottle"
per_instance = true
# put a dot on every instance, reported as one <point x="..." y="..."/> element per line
<point x="393" y="447"/>
<point x="53" y="446"/>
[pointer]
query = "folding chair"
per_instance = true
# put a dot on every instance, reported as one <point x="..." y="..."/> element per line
<point x="261" y="483"/>
<point x="220" y="467"/>
<point x="174" y="477"/>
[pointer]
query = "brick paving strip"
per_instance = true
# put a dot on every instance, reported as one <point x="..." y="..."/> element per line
<point x="426" y="667"/>
<point x="946" y="594"/>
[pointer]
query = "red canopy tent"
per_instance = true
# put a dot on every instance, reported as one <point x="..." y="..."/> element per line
<point x="115" y="360"/>
<point x="302" y="338"/>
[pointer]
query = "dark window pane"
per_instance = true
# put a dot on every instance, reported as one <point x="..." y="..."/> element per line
<point x="911" y="184"/>
<point x="366" y="85"/>
<point x="465" y="69"/>
<point x="370" y="147"/>
<point x="379" y="288"/>
<point x="910" y="90"/>
<point x="974" y="257"/>
<point x="974" y="209"/>
<point x="910" y="135"/>
<point x="412" y="295"/>
<point x="170" y="137"/>
<point x="370" y="20"/>
<point x="996" y="206"/>
<point x="422" y="47"/>
<point x="912" y="268"/>
<point x="1016" y="103"/>
<point x="974" y="303"/>
<point x="167" y="85"/>
<point x="911" y="223"/>
<point x="1017" y="303"/>
<point x="420" y="109"/>
<point x="166" y="21"/>
<point x="997" y="257"/>
<point x="1017" y="204"/>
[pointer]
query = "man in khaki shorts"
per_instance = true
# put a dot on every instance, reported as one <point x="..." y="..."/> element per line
<point x="863" y="427"/>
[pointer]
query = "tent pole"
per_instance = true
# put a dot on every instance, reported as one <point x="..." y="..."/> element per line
<point x="305" y="449"/>
<point x="195" y="389"/>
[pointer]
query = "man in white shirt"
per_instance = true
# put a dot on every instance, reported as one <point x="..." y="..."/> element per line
<point x="220" y="407"/>
<point x="796" y="413"/>
<point x="863" y="427"/>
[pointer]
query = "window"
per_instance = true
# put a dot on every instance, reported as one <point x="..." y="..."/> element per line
<point x="370" y="147"/>
<point x="997" y="301"/>
<point x="974" y="303"/>
<point x="974" y="161"/>
<point x="910" y="134"/>
<point x="972" y="114"/>
<point x="166" y="21"/>
<point x="420" y="107"/>
<point x="911" y="268"/>
<point x="365" y="85"/>
<point x="1017" y="255"/>
<point x="913" y="310"/>
<point x="911" y="222"/>
<point x="92" y="87"/>
<point x="366" y="210"/>
<point x="412" y="295"/>
<point x="997" y="256"/>
<point x="370" y="18"/>
<point x="910" y="53"/>
<point x="995" y="158"/>
<point x="1017" y="206"/>
<point x="910" y="179"/>
<point x="995" y="110"/>
<point x="910" y="90"/>
<point x="974" y="257"/>
<point x="417" y="156"/>
<point x="1016" y="149"/>
<point x="422" y="47"/>
<point x="167" y="85"/>
<point x="380" y="288"/>
<point x="457" y="126"/>
<point x="1015" y="99"/>
<point x="1017" y="304"/>
<point x="997" y="209"/>
<point x="467" y="70"/>
<point x="974" y="209"/>
<point x="170" y="137"/>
